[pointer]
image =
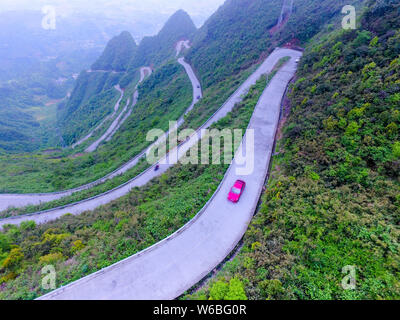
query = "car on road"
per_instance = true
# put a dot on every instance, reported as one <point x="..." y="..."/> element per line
<point x="236" y="191"/>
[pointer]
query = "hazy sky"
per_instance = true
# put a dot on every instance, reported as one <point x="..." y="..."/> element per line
<point x="199" y="8"/>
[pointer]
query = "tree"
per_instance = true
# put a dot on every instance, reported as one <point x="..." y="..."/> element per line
<point x="4" y="243"/>
<point x="236" y="290"/>
<point x="13" y="260"/>
<point x="272" y="289"/>
<point x="396" y="149"/>
<point x="219" y="290"/>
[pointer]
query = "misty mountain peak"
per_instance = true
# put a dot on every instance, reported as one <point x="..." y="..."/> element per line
<point x="118" y="53"/>
<point x="157" y="49"/>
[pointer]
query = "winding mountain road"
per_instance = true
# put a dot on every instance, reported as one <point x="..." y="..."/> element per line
<point x="149" y="174"/>
<point x="90" y="134"/>
<point x="172" y="266"/>
<point x="197" y="92"/>
<point x="144" y="72"/>
<point x="117" y="123"/>
<point x="22" y="200"/>
<point x="109" y="130"/>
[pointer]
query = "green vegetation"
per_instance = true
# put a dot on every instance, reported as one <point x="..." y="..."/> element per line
<point x="118" y="54"/>
<point x="230" y="45"/>
<point x="156" y="50"/>
<point x="80" y="245"/>
<point x="140" y="167"/>
<point x="31" y="88"/>
<point x="36" y="73"/>
<point x="164" y="97"/>
<point x="230" y="41"/>
<point x="94" y="97"/>
<point x="232" y="290"/>
<point x="28" y="106"/>
<point x="82" y="195"/>
<point x="333" y="199"/>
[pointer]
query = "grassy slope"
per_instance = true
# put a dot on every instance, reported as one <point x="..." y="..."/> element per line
<point x="92" y="99"/>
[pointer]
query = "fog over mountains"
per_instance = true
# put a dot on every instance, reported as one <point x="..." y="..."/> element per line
<point x="152" y="12"/>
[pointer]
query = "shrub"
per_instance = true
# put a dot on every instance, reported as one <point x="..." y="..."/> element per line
<point x="9" y="276"/>
<point x="236" y="290"/>
<point x="4" y="243"/>
<point x="13" y="260"/>
<point x="219" y="290"/>
<point x="51" y="258"/>
<point x="392" y="130"/>
<point x="28" y="225"/>
<point x="271" y="289"/>
<point x="396" y="149"/>
<point x="352" y="128"/>
<point x="77" y="246"/>
<point x="374" y="42"/>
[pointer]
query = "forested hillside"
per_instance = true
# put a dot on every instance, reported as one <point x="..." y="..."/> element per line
<point x="36" y="71"/>
<point x="333" y="199"/>
<point x="94" y="97"/>
<point x="118" y="54"/>
<point x="240" y="33"/>
<point x="156" y="50"/>
<point x="233" y="38"/>
<point x="164" y="96"/>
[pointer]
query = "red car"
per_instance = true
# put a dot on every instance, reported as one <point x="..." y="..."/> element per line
<point x="236" y="191"/>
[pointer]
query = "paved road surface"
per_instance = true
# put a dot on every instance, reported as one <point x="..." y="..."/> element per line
<point x="169" y="268"/>
<point x="116" y="124"/>
<point x="145" y="72"/>
<point x="197" y="92"/>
